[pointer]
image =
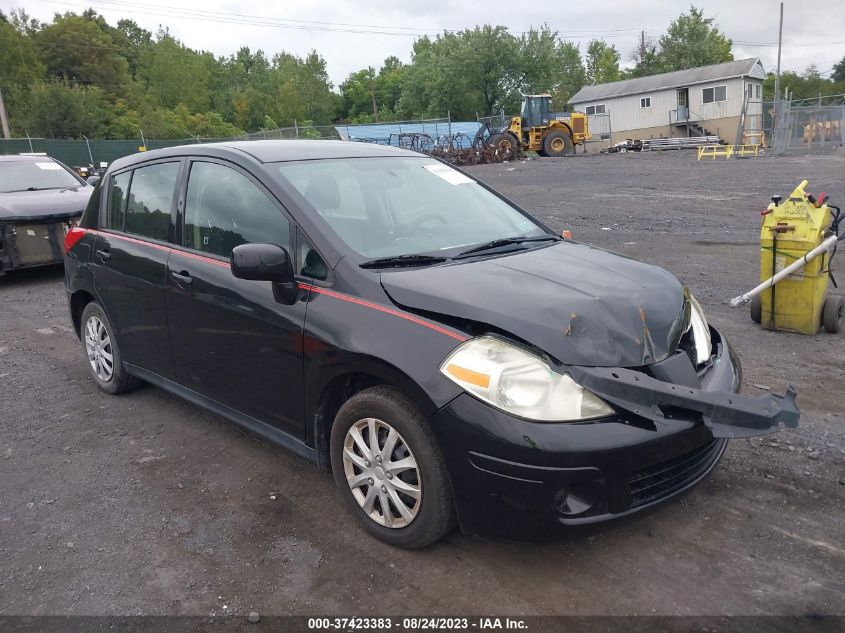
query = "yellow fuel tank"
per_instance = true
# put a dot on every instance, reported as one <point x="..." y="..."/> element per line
<point x="791" y="228"/>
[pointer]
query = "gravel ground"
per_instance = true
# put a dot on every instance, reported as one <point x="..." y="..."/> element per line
<point x="145" y="504"/>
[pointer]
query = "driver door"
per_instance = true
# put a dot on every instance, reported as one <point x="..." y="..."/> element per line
<point x="232" y="341"/>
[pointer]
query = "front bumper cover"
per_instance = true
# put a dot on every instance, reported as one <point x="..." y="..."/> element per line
<point x="520" y="480"/>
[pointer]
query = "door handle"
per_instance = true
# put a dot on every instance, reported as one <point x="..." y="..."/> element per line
<point x="183" y="277"/>
<point x="104" y="254"/>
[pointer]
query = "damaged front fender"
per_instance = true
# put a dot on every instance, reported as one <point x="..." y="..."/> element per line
<point x="726" y="414"/>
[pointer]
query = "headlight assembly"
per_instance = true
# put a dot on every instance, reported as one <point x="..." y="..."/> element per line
<point x="700" y="332"/>
<point x="519" y="382"/>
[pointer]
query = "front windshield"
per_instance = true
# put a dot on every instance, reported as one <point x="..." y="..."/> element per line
<point x="34" y="175"/>
<point x="394" y="206"/>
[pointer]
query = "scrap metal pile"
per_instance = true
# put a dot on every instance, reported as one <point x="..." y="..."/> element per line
<point x="458" y="149"/>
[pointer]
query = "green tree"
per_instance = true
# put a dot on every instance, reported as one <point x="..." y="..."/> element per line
<point x="59" y="109"/>
<point x="20" y="68"/>
<point x="647" y="59"/>
<point x="175" y="74"/>
<point x="77" y="49"/>
<point x="602" y="62"/>
<point x="572" y="75"/>
<point x="838" y="73"/>
<point x="492" y="53"/>
<point x="357" y="95"/>
<point x="302" y="90"/>
<point x="389" y="84"/>
<point x="693" y="40"/>
<point x="132" y="40"/>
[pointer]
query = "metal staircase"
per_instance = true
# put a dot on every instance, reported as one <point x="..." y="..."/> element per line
<point x="684" y="118"/>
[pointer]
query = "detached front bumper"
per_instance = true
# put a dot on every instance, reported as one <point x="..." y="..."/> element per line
<point x="526" y="481"/>
<point x="25" y="242"/>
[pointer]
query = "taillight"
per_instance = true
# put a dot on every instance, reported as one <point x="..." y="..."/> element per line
<point x="75" y="234"/>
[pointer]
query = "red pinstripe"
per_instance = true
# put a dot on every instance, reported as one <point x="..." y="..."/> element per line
<point x="323" y="291"/>
<point x="386" y="310"/>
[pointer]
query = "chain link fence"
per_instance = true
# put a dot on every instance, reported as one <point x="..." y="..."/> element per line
<point x="805" y="127"/>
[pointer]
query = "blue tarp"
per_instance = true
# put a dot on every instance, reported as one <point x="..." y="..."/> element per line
<point x="388" y="133"/>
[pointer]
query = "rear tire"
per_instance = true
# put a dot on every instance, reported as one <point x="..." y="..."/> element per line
<point x="833" y="314"/>
<point x="558" y="143"/>
<point x="102" y="352"/>
<point x="756" y="309"/>
<point x="374" y="479"/>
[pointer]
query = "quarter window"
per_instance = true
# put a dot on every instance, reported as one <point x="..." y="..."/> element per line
<point x="645" y="102"/>
<point x="150" y="199"/>
<point x="225" y="209"/>
<point x="117" y="199"/>
<point x="716" y="93"/>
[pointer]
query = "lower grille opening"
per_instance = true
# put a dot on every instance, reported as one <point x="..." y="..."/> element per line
<point x="664" y="479"/>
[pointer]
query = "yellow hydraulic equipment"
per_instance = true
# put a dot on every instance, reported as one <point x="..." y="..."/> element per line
<point x="797" y="239"/>
<point x="542" y="131"/>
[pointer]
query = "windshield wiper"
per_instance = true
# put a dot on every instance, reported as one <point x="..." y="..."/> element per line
<point x="507" y="241"/>
<point x="403" y="260"/>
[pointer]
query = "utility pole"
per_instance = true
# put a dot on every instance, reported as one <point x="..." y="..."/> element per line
<point x="642" y="46"/>
<point x="373" y="95"/>
<point x="3" y="120"/>
<point x="777" y="74"/>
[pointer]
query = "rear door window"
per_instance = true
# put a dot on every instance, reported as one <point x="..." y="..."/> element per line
<point x="117" y="200"/>
<point x="225" y="209"/>
<point x="150" y="200"/>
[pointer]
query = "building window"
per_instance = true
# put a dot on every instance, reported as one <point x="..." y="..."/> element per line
<point x="758" y="90"/>
<point x="750" y="90"/>
<point x="645" y="102"/>
<point x="594" y="109"/>
<point x="717" y="93"/>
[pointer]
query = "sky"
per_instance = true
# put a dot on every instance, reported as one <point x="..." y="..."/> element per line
<point x="351" y="35"/>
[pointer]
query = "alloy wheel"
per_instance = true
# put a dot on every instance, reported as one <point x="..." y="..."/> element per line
<point x="382" y="473"/>
<point x="99" y="349"/>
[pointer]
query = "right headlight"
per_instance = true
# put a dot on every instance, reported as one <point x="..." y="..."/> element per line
<point x="700" y="332"/>
<point x="520" y="383"/>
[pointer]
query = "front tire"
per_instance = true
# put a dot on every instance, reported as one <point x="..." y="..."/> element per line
<point x="389" y="469"/>
<point x="102" y="352"/>
<point x="505" y="144"/>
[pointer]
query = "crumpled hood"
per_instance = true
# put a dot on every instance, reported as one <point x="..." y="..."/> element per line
<point x="41" y="205"/>
<point x="581" y="305"/>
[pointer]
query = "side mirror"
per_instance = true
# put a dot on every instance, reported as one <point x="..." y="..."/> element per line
<point x="92" y="180"/>
<point x="262" y="262"/>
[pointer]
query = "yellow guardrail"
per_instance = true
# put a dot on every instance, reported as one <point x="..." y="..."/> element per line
<point x="713" y="151"/>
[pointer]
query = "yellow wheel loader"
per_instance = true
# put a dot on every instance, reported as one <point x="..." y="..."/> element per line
<point x="542" y="131"/>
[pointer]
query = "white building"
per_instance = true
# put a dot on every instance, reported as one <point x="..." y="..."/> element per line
<point x="709" y="100"/>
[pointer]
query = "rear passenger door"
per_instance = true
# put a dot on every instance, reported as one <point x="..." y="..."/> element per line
<point x="130" y="261"/>
<point x="232" y="341"/>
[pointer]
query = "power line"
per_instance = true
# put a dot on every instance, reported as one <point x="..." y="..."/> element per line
<point x="365" y="29"/>
<point x="286" y="23"/>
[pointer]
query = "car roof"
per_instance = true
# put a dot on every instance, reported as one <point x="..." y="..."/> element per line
<point x="274" y="151"/>
<point x="19" y="158"/>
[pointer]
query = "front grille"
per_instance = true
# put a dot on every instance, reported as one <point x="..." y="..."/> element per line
<point x="663" y="480"/>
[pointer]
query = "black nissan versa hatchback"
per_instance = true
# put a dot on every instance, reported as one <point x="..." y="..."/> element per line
<point x="399" y="323"/>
